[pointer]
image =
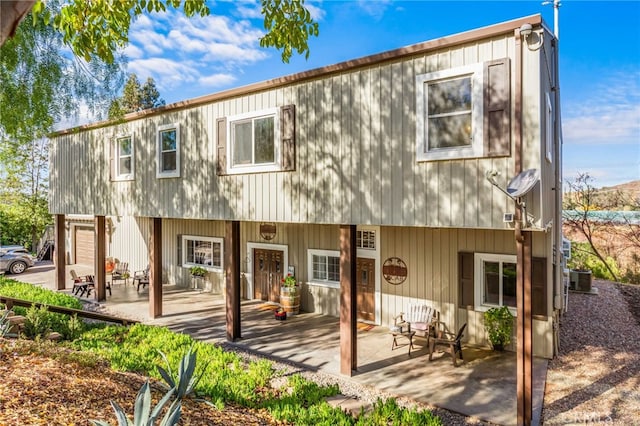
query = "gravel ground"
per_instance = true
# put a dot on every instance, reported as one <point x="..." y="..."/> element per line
<point x="596" y="378"/>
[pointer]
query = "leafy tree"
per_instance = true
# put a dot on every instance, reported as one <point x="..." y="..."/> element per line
<point x="136" y="98"/>
<point x="39" y="86"/>
<point x="102" y="27"/>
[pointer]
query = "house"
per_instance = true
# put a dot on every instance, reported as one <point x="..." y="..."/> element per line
<point x="369" y="180"/>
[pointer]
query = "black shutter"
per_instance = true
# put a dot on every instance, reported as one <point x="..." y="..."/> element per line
<point x="539" y="286"/>
<point x="288" y="132"/>
<point x="179" y="250"/>
<point x="497" y="111"/>
<point x="465" y="280"/>
<point x="221" y="146"/>
<point x="112" y="160"/>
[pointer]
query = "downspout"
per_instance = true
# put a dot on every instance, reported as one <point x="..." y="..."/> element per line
<point x="559" y="287"/>
<point x="517" y="131"/>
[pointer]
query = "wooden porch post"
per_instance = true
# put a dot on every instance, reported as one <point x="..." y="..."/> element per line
<point x="232" y="273"/>
<point x="99" y="258"/>
<point x="60" y="249"/>
<point x="155" y="272"/>
<point x="524" y="329"/>
<point x="348" y="307"/>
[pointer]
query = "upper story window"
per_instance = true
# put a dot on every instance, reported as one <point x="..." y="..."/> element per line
<point x="495" y="280"/>
<point x="253" y="141"/>
<point x="168" y="160"/>
<point x="202" y="251"/>
<point x="324" y="267"/>
<point x="450" y="113"/>
<point x="259" y="141"/>
<point x="123" y="161"/>
<point x="366" y="239"/>
<point x="463" y="112"/>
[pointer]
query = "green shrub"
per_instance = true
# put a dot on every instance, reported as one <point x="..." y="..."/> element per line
<point x="389" y="413"/>
<point x="37" y="323"/>
<point x="32" y="293"/>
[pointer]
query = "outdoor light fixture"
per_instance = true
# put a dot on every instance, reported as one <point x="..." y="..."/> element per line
<point x="526" y="31"/>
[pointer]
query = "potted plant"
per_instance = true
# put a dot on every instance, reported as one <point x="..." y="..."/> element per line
<point x="290" y="295"/>
<point x="499" y="324"/>
<point x="197" y="271"/>
<point x="197" y="276"/>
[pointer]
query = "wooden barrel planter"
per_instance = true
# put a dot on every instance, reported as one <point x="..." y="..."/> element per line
<point x="290" y="299"/>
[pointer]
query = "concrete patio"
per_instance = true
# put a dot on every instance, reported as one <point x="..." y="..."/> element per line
<point x="484" y="386"/>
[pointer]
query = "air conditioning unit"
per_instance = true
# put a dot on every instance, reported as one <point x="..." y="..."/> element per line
<point x="580" y="280"/>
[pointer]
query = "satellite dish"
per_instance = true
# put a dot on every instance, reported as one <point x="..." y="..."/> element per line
<point x="523" y="183"/>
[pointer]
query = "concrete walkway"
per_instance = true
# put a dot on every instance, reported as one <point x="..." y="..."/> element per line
<point x="484" y="386"/>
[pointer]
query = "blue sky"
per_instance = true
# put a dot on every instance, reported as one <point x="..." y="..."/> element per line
<point x="599" y="59"/>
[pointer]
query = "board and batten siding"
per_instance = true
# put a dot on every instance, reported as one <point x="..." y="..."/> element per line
<point x="355" y="161"/>
<point x="431" y="256"/>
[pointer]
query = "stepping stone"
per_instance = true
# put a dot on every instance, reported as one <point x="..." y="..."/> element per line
<point x="349" y="404"/>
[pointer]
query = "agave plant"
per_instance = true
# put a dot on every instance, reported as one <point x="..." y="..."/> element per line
<point x="5" y="325"/>
<point x="142" y="413"/>
<point x="184" y="382"/>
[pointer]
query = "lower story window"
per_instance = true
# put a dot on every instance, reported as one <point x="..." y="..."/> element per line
<point x="324" y="267"/>
<point x="495" y="280"/>
<point x="202" y="251"/>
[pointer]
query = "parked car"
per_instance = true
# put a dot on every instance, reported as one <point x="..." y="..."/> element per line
<point x="15" y="259"/>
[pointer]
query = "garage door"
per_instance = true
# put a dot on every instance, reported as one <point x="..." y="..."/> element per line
<point x="84" y="245"/>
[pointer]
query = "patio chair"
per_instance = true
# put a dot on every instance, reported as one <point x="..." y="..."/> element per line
<point x="142" y="277"/>
<point x="419" y="318"/>
<point x="121" y="273"/>
<point x="80" y="283"/>
<point x="453" y="341"/>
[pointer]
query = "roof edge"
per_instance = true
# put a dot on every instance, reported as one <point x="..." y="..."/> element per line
<point x="414" y="49"/>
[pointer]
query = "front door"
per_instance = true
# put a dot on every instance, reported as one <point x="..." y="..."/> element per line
<point x="366" y="287"/>
<point x="267" y="270"/>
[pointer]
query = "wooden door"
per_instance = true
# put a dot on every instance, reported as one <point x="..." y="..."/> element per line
<point x="267" y="270"/>
<point x="366" y="288"/>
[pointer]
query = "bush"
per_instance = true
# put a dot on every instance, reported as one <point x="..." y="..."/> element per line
<point x="37" y="323"/>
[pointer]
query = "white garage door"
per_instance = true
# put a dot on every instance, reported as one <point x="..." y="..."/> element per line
<point x="84" y="245"/>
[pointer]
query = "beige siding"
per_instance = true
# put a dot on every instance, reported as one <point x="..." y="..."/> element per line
<point x="431" y="256"/>
<point x="128" y="239"/>
<point x="356" y="160"/>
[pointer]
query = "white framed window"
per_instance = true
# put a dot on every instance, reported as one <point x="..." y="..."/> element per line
<point x="550" y="124"/>
<point x="124" y="158"/>
<point x="366" y="239"/>
<point x="324" y="267"/>
<point x="206" y="252"/>
<point x="449" y="113"/>
<point x="495" y="281"/>
<point x="168" y="159"/>
<point x="254" y="142"/>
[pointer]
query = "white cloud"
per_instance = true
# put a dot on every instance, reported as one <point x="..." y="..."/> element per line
<point x="217" y="80"/>
<point x="375" y="8"/>
<point x="167" y="73"/>
<point x="611" y="113"/>
<point x="133" y="52"/>
<point x="249" y="10"/>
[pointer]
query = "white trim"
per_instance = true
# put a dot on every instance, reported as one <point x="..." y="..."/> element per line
<point x="549" y="127"/>
<point x="476" y="149"/>
<point x="213" y="268"/>
<point x="252" y="168"/>
<point x="320" y="283"/>
<point x="116" y="158"/>
<point x="174" y="173"/>
<point x="251" y="246"/>
<point x="478" y="277"/>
